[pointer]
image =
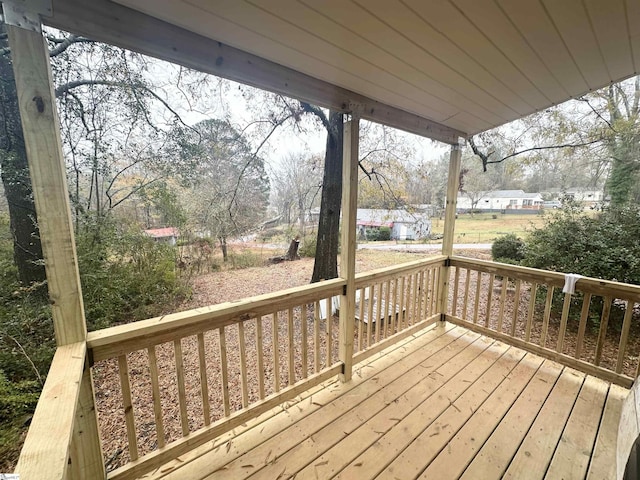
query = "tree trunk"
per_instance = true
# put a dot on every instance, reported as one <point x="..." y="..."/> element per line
<point x="326" y="260"/>
<point x="27" y="249"/>
<point x="292" y="253"/>
<point x="223" y="247"/>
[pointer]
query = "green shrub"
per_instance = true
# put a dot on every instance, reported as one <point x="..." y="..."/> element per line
<point x="605" y="246"/>
<point x="125" y="275"/>
<point x="17" y="402"/>
<point x="384" y="233"/>
<point x="374" y="234"/>
<point x="508" y="249"/>
<point x="308" y="246"/>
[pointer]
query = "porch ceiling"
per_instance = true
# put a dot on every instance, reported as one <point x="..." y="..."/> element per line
<point x="466" y="65"/>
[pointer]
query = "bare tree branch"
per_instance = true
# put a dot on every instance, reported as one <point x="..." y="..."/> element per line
<point x="62" y="89"/>
<point x="485" y="157"/>
<point x="64" y="43"/>
<point x="318" y="112"/>
<point x="598" y="114"/>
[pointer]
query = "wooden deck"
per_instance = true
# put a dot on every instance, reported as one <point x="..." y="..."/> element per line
<point x="444" y="403"/>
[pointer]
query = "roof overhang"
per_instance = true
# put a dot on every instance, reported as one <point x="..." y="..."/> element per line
<point x="439" y="68"/>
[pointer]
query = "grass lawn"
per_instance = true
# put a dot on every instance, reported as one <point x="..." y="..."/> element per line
<point x="484" y="228"/>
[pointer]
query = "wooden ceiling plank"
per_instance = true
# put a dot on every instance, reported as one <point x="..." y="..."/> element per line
<point x="406" y="98"/>
<point x="369" y="27"/>
<point x="464" y="34"/>
<point x="260" y="29"/>
<point x="609" y="21"/>
<point x="489" y="19"/>
<point x="116" y="24"/>
<point x="572" y="21"/>
<point x="536" y="27"/>
<point x="434" y="46"/>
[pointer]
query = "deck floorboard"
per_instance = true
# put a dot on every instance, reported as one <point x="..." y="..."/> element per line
<point x="444" y="403"/>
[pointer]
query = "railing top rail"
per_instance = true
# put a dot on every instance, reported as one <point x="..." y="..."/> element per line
<point x="395" y="270"/>
<point x="585" y="284"/>
<point x="122" y="339"/>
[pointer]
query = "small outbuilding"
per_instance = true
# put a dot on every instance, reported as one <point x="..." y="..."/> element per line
<point x="404" y="225"/>
<point x="164" y="235"/>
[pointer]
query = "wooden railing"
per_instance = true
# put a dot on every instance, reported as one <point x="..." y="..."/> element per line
<point x="175" y="382"/>
<point x="50" y="436"/>
<point x="589" y="330"/>
<point x="178" y="381"/>
<point x="394" y="302"/>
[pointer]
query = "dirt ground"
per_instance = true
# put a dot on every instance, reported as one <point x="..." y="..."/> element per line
<point x="232" y="285"/>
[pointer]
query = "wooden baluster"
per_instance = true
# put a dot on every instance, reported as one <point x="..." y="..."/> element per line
<point x="408" y="299"/>
<point x="531" y="311"/>
<point x="378" y="312"/>
<point x="547" y="315"/>
<point x="328" y="332"/>
<point x="516" y="306"/>
<point x="415" y="296"/>
<point x="276" y="352"/>
<point x="361" y="322"/>
<point x="224" y="372"/>
<point x="387" y="301"/>
<point x="260" y="348"/>
<point x="476" y="303"/>
<point x="465" y="303"/>
<point x="435" y="287"/>
<point x="454" y="303"/>
<point x="602" y="335"/>
<point x="566" y="304"/>
<point x="204" y="382"/>
<point x="305" y="347"/>
<point x="395" y="313"/>
<point x="487" y="317"/>
<point x="291" y="349"/>
<point x="370" y="324"/>
<point x="155" y="388"/>
<point x="584" y="315"/>
<point x="401" y="306"/>
<point x="420" y="295"/>
<point x="425" y="294"/>
<point x="624" y="335"/>
<point x="128" y="407"/>
<point x="503" y="299"/>
<point x="243" y="365"/>
<point x="316" y="336"/>
<point x="182" y="394"/>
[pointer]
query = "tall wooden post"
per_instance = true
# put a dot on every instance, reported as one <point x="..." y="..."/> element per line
<point x="348" y="244"/>
<point x="453" y="184"/>
<point x="48" y="176"/>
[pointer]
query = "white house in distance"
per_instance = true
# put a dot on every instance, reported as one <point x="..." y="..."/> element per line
<point x="499" y="201"/>
<point x="404" y="225"/>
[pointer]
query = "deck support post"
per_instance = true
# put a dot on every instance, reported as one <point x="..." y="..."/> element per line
<point x="453" y="184"/>
<point x="348" y="244"/>
<point x="47" y="168"/>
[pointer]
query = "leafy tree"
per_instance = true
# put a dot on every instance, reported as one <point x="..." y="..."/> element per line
<point x="228" y="187"/>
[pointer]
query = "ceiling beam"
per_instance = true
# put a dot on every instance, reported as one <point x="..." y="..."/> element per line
<point x="112" y="23"/>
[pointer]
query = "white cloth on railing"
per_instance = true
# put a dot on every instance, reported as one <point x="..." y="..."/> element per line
<point x="570" y="280"/>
